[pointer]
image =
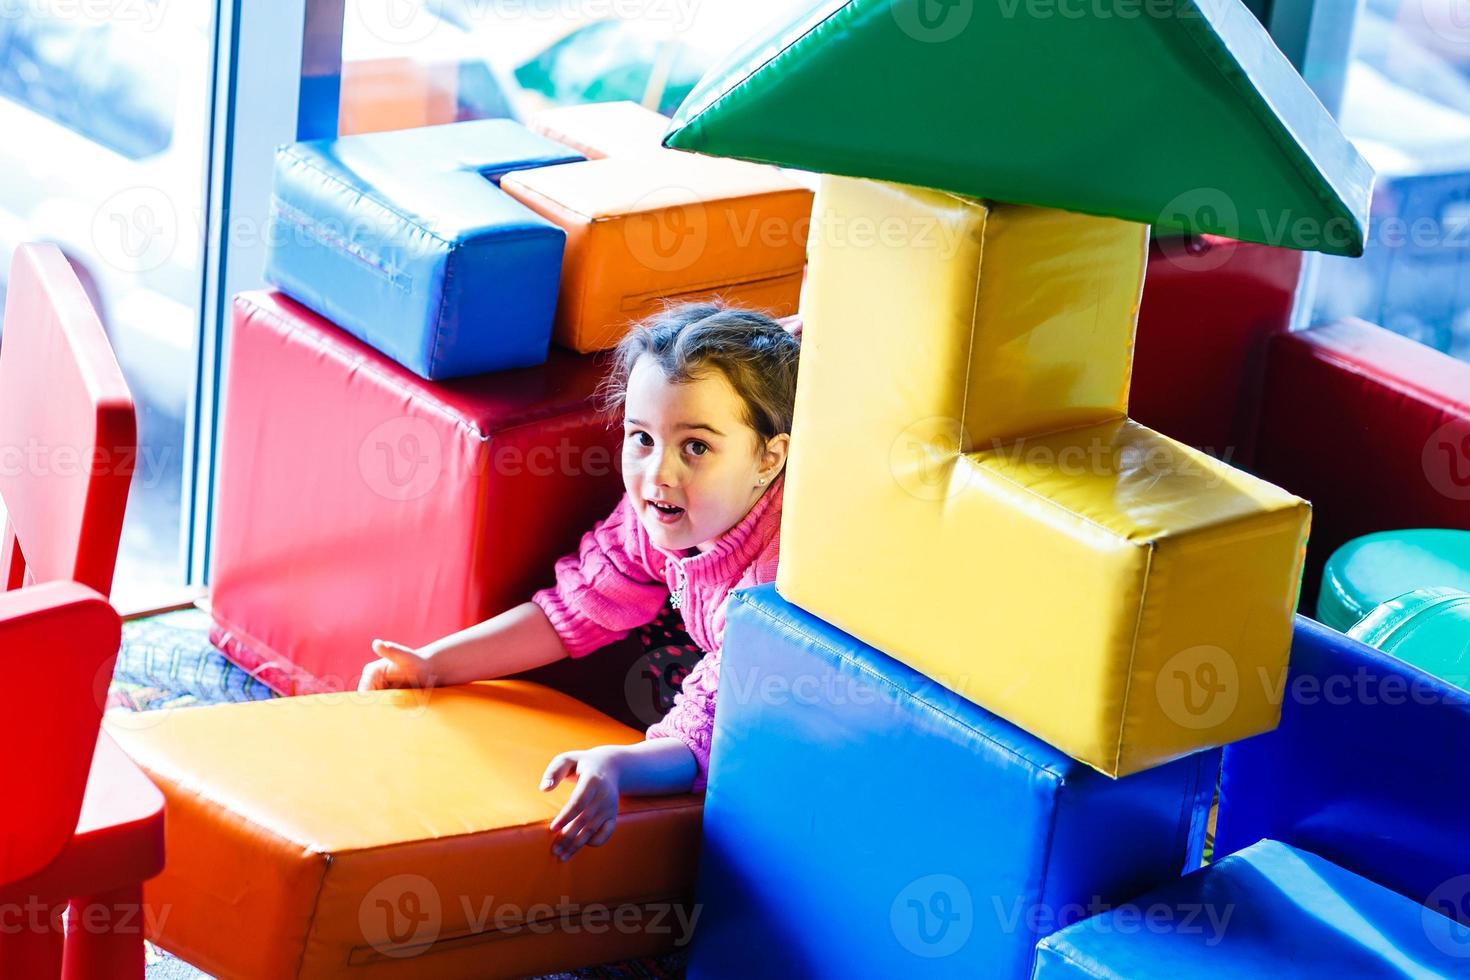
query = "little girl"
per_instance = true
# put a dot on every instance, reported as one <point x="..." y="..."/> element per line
<point x="707" y="395"/>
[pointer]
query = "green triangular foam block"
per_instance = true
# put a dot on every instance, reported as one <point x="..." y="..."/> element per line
<point x="1177" y="113"/>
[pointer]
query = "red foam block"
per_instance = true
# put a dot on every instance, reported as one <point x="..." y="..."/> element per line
<point x="356" y="500"/>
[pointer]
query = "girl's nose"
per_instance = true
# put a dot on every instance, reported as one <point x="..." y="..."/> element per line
<point x="666" y="469"/>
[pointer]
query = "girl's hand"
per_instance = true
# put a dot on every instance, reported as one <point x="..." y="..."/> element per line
<point x="398" y="666"/>
<point x="592" y="812"/>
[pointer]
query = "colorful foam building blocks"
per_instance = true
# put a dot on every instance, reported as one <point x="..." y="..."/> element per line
<point x="357" y="500"/>
<point x="643" y="231"/>
<point x="404" y="240"/>
<point x="863" y="820"/>
<point x="400" y="834"/>
<point x="964" y="104"/>
<point x="991" y="338"/>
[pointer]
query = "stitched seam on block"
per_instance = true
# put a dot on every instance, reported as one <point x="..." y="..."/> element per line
<point x="367" y="954"/>
<point x="320" y="233"/>
<point x="358" y="363"/>
<point x="1053" y="948"/>
<point x="1051" y="839"/>
<point x="1148" y="566"/>
<point x="449" y="271"/>
<point x="932" y="708"/>
<point x="365" y="195"/>
<point x="710" y="285"/>
<point x="810" y="31"/>
<point x="974" y="329"/>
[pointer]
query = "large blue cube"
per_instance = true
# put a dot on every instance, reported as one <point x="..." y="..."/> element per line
<point x="405" y="240"/>
<point x="865" y="820"/>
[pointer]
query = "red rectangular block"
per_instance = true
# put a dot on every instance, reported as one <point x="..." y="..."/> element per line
<point x="356" y="500"/>
<point x="1371" y="427"/>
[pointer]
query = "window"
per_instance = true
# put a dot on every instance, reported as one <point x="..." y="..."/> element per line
<point x="408" y="64"/>
<point x="1407" y="107"/>
<point x="105" y="110"/>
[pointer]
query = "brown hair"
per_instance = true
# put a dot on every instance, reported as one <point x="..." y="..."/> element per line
<point x="756" y="354"/>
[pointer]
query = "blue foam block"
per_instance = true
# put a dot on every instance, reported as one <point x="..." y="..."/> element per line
<point x="864" y="820"/>
<point x="1267" y="911"/>
<point x="405" y="241"/>
<point x="1367" y="769"/>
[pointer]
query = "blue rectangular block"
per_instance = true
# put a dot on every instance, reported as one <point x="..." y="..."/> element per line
<point x="405" y="241"/>
<point x="864" y="820"/>
<point x="1367" y="769"/>
<point x="1267" y="911"/>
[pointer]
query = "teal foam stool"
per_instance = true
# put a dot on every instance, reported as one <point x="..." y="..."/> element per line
<point x="1376" y="567"/>
<point x="1427" y="628"/>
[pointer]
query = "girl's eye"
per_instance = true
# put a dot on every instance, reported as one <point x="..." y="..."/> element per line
<point x="642" y="438"/>
<point x="697" y="448"/>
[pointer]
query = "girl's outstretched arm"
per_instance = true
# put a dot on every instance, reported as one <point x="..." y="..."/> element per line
<point x="656" y="767"/>
<point x="518" y="639"/>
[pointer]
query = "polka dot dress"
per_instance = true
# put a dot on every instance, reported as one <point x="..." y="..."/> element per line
<point x="670" y="655"/>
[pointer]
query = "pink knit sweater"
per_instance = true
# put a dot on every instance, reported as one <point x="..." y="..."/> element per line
<point x="618" y="580"/>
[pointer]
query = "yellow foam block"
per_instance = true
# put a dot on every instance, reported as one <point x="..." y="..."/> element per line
<point x="966" y="493"/>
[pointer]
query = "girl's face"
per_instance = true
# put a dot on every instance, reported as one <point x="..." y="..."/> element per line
<point x="691" y="465"/>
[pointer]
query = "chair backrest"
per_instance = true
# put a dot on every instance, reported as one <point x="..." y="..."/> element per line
<point x="57" y="644"/>
<point x="68" y="436"/>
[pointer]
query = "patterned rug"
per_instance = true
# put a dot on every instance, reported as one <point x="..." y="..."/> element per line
<point x="166" y="661"/>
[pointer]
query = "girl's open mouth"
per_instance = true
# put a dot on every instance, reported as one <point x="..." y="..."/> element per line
<point x="666" y="513"/>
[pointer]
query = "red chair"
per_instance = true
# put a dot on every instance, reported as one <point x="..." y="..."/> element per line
<point x="80" y="826"/>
